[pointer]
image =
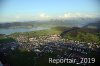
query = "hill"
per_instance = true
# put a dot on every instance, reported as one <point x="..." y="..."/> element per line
<point x="95" y="25"/>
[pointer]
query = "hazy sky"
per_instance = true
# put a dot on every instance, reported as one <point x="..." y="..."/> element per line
<point x="13" y="10"/>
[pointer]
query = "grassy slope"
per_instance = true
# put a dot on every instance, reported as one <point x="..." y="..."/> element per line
<point x="54" y="30"/>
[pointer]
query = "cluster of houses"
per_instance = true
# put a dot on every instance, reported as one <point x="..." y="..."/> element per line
<point x="54" y="43"/>
<point x="31" y="42"/>
<point x="50" y="44"/>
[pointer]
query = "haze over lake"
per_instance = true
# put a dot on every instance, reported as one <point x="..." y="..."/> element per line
<point x="8" y="31"/>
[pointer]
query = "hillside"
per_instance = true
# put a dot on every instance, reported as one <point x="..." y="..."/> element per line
<point x="36" y="47"/>
<point x="81" y="34"/>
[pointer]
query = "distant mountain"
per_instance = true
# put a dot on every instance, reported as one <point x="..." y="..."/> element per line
<point x="15" y="24"/>
<point x="30" y="24"/>
<point x="95" y="25"/>
<point x="75" y="22"/>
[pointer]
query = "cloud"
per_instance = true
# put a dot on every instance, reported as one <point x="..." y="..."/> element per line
<point x="17" y="17"/>
<point x="43" y="15"/>
<point x="78" y="15"/>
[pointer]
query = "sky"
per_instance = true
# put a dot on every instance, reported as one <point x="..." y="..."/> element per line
<point x="21" y="10"/>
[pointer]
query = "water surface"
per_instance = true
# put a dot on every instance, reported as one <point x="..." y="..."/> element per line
<point x="8" y="31"/>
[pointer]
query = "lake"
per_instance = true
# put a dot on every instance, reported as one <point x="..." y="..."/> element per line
<point x="9" y="31"/>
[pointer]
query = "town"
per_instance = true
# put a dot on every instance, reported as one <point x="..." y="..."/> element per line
<point x="53" y="44"/>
